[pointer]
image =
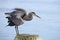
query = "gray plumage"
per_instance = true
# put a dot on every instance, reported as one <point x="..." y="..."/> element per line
<point x="18" y="16"/>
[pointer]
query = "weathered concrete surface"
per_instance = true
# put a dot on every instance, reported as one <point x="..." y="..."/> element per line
<point x="27" y="37"/>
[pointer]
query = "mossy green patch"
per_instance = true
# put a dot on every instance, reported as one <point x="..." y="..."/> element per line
<point x="21" y="36"/>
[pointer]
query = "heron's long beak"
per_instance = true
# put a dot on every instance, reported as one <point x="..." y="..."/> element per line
<point x="37" y="16"/>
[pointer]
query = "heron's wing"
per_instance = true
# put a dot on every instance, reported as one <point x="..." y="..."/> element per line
<point x="10" y="22"/>
<point x="16" y="17"/>
<point x="19" y="14"/>
<point x="21" y="11"/>
<point x="7" y="14"/>
<point x="17" y="21"/>
<point x="14" y="14"/>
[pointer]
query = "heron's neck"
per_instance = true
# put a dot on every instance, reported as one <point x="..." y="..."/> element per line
<point x="30" y="15"/>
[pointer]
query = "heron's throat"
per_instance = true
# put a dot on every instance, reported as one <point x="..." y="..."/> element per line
<point x="30" y="15"/>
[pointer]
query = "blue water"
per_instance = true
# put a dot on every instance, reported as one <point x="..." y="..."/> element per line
<point x="48" y="27"/>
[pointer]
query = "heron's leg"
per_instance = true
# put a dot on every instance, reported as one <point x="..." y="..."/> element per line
<point x="16" y="29"/>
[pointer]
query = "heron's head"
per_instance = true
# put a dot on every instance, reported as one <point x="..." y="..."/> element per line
<point x="34" y="14"/>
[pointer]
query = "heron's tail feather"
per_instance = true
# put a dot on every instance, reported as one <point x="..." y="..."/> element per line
<point x="10" y="23"/>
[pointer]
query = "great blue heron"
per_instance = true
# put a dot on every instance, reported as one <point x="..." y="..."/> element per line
<point x="18" y="16"/>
